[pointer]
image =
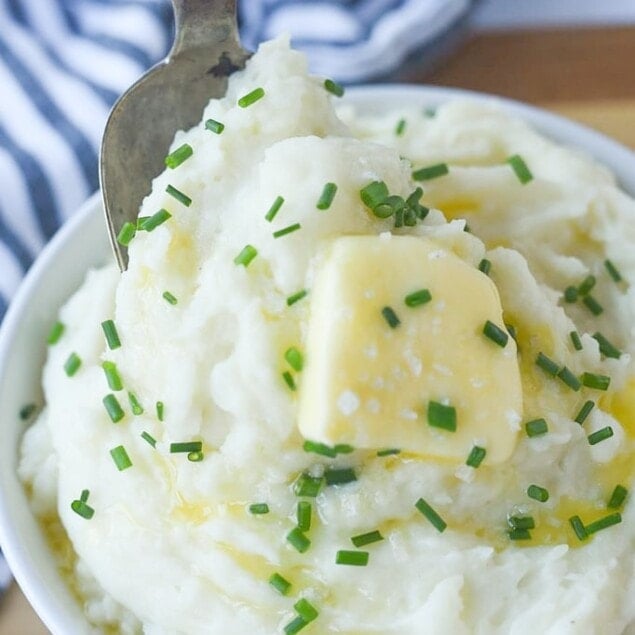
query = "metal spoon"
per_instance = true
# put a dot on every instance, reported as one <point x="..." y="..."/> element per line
<point x="169" y="97"/>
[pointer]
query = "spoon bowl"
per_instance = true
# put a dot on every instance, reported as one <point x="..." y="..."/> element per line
<point x="169" y="97"/>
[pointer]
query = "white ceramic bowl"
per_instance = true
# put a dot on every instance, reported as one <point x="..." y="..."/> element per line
<point x="82" y="243"/>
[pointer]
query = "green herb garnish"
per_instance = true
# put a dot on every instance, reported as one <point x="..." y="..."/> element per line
<point x="126" y="233"/>
<point x="112" y="337"/>
<point x="339" y="476"/>
<point x="606" y="348"/>
<point x="113" y="408"/>
<point x="186" y="447"/>
<point x="252" y="97"/>
<point x="307" y="485"/>
<point x="214" y="126"/>
<point x="575" y="340"/>
<point x="520" y="168"/>
<point x="430" y="172"/>
<point x="617" y="497"/>
<point x="495" y="333"/>
<point x="442" y="416"/>
<point x="287" y="230"/>
<point x="296" y="297"/>
<point x="151" y="223"/>
<point x="417" y="298"/>
<point x="538" y="493"/>
<point x="569" y="379"/>
<point x="367" y="539"/>
<point x="298" y="540"/>
<point x="613" y="272"/>
<point x="112" y="376"/>
<point x="182" y="153"/>
<point x="391" y="317"/>
<point x="327" y="196"/>
<point x="258" y="509"/>
<point x="548" y="365"/>
<point x="435" y="520"/>
<point x="72" y="364"/>
<point x="274" y="209"/>
<point x="248" y="253"/>
<point x="593" y="380"/>
<point x="476" y="456"/>
<point x="56" y="332"/>
<point x="280" y="584"/>
<point x="536" y="427"/>
<point x="303" y="515"/>
<point x="585" y="411"/>
<point x="600" y="435"/>
<point x="334" y="88"/>
<point x="121" y="458"/>
<point x="178" y="195"/>
<point x="352" y="558"/>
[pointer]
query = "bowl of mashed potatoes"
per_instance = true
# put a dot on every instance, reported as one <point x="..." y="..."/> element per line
<point x="369" y="371"/>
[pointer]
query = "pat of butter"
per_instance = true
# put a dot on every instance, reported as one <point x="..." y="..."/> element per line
<point x="368" y="384"/>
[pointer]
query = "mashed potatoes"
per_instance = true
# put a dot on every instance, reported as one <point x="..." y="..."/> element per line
<point x="216" y="297"/>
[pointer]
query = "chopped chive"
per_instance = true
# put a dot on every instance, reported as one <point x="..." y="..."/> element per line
<point x="388" y="452"/>
<point x="307" y="485"/>
<point x="214" y="126"/>
<point x="352" y="558"/>
<point x="437" y="522"/>
<point x="178" y="195"/>
<point x="495" y="333"/>
<point x="400" y="127"/>
<point x="181" y="154"/>
<point x="519" y="534"/>
<point x="280" y="584"/>
<point x="613" y="271"/>
<point x="258" y="509"/>
<point x="248" y="253"/>
<point x="140" y="221"/>
<point x="298" y="540"/>
<point x="485" y="266"/>
<point x="569" y="379"/>
<point x="476" y="456"/>
<point x="195" y="457"/>
<point x="294" y="358"/>
<point x="287" y="230"/>
<point x="606" y="348"/>
<point x="585" y="411"/>
<point x="538" y="493"/>
<point x="575" y="340"/>
<point x="305" y="610"/>
<point x="252" y="97"/>
<point x="548" y="365"/>
<point x="344" y="448"/>
<point x="112" y="376"/>
<point x="72" y="364"/>
<point x="81" y="508"/>
<point x="417" y="298"/>
<point x="592" y="304"/>
<point x="586" y="285"/>
<point x="603" y="523"/>
<point x="274" y="209"/>
<point x="374" y="194"/>
<point x="121" y="458"/>
<point x="593" y="380"/>
<point x="385" y="210"/>
<point x="296" y="297"/>
<point x="84" y="495"/>
<point x="600" y="435"/>
<point x="112" y="337"/>
<point x="391" y="317"/>
<point x="186" y="446"/>
<point x="578" y="527"/>
<point x="339" y="476"/>
<point x="27" y="411"/>
<point x="334" y="88"/>
<point x="520" y="168"/>
<point x="319" y="448"/>
<point x="160" y="409"/>
<point x="169" y="298"/>
<point x="521" y="522"/>
<point x="148" y="438"/>
<point x="536" y="427"/>
<point x="295" y="626"/>
<point x="327" y="196"/>
<point x="304" y="511"/>
<point x="114" y="410"/>
<point x="289" y="381"/>
<point x="56" y="332"/>
<point x="367" y="539"/>
<point x="430" y="172"/>
<point x="135" y="406"/>
<point x="571" y="294"/>
<point x="126" y="233"/>
<point x="151" y="223"/>
<point x="617" y="497"/>
<point x="511" y="329"/>
<point x="442" y="416"/>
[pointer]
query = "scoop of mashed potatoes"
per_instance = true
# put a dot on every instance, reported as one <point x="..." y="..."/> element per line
<point x="164" y="508"/>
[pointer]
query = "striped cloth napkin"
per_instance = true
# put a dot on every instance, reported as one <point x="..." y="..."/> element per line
<point x="63" y="63"/>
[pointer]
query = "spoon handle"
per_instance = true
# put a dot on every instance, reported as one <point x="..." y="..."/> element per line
<point x="199" y="22"/>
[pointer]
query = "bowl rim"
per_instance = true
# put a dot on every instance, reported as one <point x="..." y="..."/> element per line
<point x="372" y="99"/>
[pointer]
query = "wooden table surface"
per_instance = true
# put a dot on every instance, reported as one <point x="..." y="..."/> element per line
<point x="585" y="74"/>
